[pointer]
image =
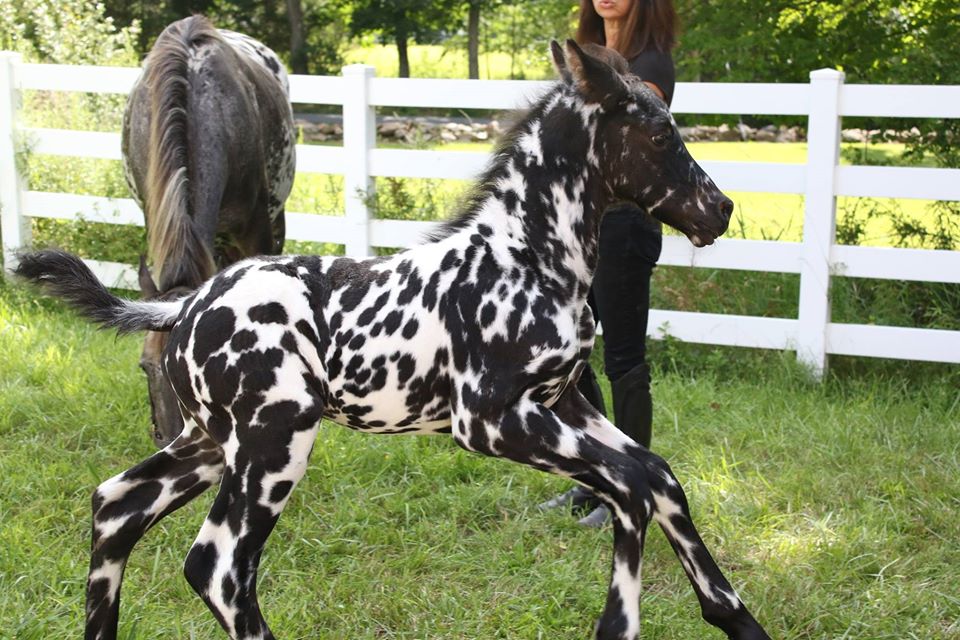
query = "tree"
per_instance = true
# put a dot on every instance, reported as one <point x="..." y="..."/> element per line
<point x="872" y="41"/>
<point x="473" y="38"/>
<point x="298" y="43"/>
<point x="308" y="34"/>
<point x="524" y="29"/>
<point x="475" y="11"/>
<point x="403" y="20"/>
<point x="67" y="32"/>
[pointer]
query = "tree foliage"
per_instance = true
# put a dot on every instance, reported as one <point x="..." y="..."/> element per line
<point x="67" y="32"/>
<point x="523" y="29"/>
<point x="876" y="41"/>
<point x="323" y="21"/>
<point x="400" y="21"/>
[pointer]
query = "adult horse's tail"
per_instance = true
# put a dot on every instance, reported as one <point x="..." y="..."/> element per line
<point x="180" y="256"/>
<point x="65" y="276"/>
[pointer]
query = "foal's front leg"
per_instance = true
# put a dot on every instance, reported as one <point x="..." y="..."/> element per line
<point x="532" y="434"/>
<point x="719" y="603"/>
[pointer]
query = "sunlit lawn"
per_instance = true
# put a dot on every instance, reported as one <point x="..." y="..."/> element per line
<point x="833" y="508"/>
<point x="758" y="216"/>
<point x="434" y="61"/>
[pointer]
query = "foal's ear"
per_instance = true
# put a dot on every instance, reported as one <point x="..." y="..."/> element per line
<point x="147" y="286"/>
<point x="594" y="78"/>
<point x="560" y="62"/>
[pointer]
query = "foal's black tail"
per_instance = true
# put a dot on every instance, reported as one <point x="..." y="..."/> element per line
<point x="65" y="276"/>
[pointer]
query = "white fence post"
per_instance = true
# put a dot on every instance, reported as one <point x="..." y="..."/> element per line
<point x="14" y="226"/>
<point x="819" y="217"/>
<point x="359" y="138"/>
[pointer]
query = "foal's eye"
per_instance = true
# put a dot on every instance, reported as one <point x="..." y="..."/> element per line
<point x="660" y="139"/>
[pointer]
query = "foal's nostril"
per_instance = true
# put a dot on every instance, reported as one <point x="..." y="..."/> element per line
<point x="726" y="208"/>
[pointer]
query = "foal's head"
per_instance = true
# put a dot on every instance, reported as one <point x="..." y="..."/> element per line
<point x="164" y="407"/>
<point x="638" y="146"/>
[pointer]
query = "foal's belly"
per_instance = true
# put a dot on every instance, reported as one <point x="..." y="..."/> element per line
<point x="387" y="411"/>
<point x="390" y="377"/>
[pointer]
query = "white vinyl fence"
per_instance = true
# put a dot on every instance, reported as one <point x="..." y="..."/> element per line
<point x="824" y="101"/>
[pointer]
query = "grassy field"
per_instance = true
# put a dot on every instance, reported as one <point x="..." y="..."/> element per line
<point x="834" y="508"/>
<point x="758" y="216"/>
<point x="435" y="61"/>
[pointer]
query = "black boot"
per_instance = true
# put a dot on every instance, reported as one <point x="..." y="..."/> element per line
<point x="632" y="404"/>
<point x="590" y="389"/>
<point x="576" y="499"/>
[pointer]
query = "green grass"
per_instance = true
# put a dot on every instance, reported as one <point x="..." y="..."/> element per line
<point x="758" y="216"/>
<point x="833" y="508"/>
<point x="435" y="61"/>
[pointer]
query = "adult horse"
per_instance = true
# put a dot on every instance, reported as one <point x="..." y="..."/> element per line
<point x="481" y="334"/>
<point x="208" y="153"/>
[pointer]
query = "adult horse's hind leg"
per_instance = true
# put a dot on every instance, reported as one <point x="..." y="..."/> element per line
<point x="719" y="602"/>
<point x="125" y="506"/>
<point x="259" y="477"/>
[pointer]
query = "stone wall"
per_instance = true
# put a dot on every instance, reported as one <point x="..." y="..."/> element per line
<point x="430" y="130"/>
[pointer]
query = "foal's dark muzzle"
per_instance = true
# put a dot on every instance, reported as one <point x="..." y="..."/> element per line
<point x="702" y="230"/>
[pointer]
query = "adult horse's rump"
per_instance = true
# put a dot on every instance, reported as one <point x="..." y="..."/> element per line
<point x="208" y="152"/>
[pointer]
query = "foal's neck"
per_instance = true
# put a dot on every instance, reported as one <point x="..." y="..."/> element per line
<point x="544" y="196"/>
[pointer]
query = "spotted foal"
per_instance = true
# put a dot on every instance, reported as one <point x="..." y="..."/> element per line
<point x="480" y="333"/>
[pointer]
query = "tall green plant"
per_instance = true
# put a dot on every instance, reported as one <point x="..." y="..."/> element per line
<point x="74" y="32"/>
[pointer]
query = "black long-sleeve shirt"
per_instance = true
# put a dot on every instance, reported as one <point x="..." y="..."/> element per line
<point x="656" y="67"/>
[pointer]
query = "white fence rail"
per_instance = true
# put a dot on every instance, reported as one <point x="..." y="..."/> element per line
<point x="817" y="259"/>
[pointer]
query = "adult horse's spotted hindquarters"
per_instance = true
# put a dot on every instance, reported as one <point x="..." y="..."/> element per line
<point x="209" y="155"/>
<point x="480" y="333"/>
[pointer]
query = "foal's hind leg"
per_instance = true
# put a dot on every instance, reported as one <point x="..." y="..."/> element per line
<point x="125" y="506"/>
<point x="719" y="602"/>
<point x="259" y="477"/>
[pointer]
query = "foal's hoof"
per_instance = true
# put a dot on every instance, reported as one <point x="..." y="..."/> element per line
<point x="596" y="519"/>
<point x="576" y="499"/>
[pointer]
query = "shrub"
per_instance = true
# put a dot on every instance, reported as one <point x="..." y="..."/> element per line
<point x="75" y="32"/>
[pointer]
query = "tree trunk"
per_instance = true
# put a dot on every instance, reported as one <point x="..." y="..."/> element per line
<point x="298" y="45"/>
<point x="473" y="40"/>
<point x="402" y="53"/>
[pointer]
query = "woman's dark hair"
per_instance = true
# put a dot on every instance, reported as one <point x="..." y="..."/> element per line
<point x="650" y="24"/>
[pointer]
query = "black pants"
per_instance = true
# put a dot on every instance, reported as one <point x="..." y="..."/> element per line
<point x="630" y="244"/>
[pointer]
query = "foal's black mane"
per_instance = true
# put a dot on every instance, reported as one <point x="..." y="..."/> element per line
<point x="496" y="169"/>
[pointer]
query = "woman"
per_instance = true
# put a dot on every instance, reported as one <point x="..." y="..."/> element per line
<point x="644" y="32"/>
